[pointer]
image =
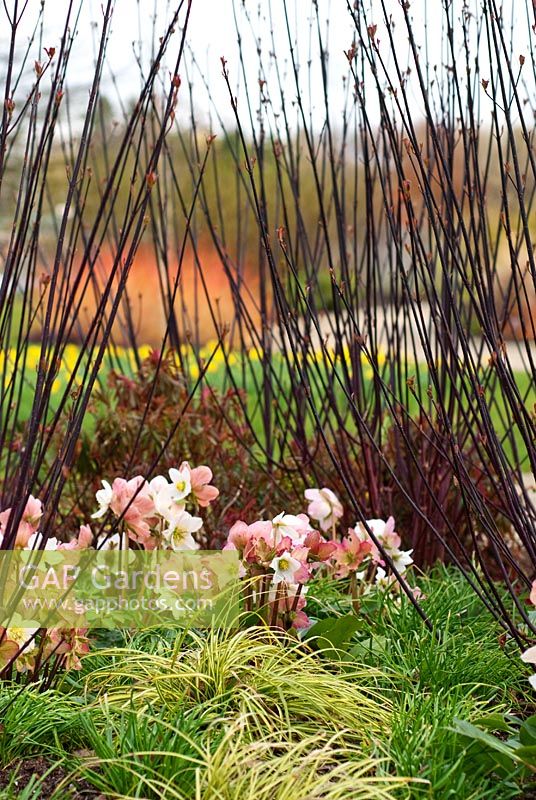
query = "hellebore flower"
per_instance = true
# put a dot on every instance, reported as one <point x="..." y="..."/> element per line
<point x="200" y="478"/>
<point x="285" y="567"/>
<point x="181" y="483"/>
<point x="104" y="499"/>
<point x="179" y="533"/>
<point x="324" y="507"/>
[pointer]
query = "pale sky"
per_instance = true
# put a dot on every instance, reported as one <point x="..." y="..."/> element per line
<point x="212" y="34"/>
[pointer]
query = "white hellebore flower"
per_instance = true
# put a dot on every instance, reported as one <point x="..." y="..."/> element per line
<point x="382" y="580"/>
<point x="181" y="484"/>
<point x="179" y="533"/>
<point x="21" y="636"/>
<point x="166" y="503"/>
<point x="324" y="507"/>
<point x="36" y="539"/>
<point x="401" y="559"/>
<point x="104" y="498"/>
<point x="529" y="657"/>
<point x="157" y="485"/>
<point x="377" y="526"/>
<point x="284" y="567"/>
<point x="117" y="541"/>
<point x="289" y="525"/>
<point x="168" y="509"/>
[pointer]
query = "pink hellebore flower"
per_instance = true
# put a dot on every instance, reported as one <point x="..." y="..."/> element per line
<point x="132" y="500"/>
<point x="238" y="537"/>
<point x="324" y="507"/>
<point x="71" y="643"/>
<point x="390" y="541"/>
<point x="532" y="597"/>
<point x="364" y="536"/>
<point x="389" y="538"/>
<point x="200" y="478"/>
<point x="33" y="512"/>
<point x="85" y="536"/>
<point x="80" y="542"/>
<point x="302" y="574"/>
<point x="290" y="606"/>
<point x="384" y="532"/>
<point x="350" y="553"/>
<point x="8" y="648"/>
<point x="262" y="529"/>
<point x="24" y="638"/>
<point x="134" y="494"/>
<point x="29" y="523"/>
<point x="260" y="548"/>
<point x="300" y="620"/>
<point x="254" y="542"/>
<point x="319" y="549"/>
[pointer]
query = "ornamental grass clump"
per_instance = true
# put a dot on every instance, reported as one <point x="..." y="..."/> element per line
<point x="267" y="768"/>
<point x="263" y="676"/>
<point x="249" y="713"/>
<point x="182" y="756"/>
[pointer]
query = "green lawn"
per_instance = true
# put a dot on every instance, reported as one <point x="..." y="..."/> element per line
<point x="248" y="375"/>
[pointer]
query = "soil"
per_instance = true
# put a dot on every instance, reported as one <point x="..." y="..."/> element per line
<point x="77" y="789"/>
